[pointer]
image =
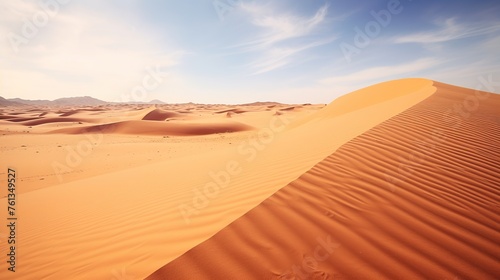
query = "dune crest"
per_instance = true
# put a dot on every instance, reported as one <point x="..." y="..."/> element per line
<point x="160" y="115"/>
<point x="372" y="96"/>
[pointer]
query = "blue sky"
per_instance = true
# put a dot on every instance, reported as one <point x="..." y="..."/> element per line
<point x="238" y="51"/>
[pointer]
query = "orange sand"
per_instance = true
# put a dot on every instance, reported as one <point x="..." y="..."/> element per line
<point x="416" y="197"/>
<point x="136" y="186"/>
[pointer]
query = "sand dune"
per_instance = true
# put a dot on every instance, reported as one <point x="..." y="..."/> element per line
<point x="372" y="96"/>
<point x="123" y="209"/>
<point x="140" y="204"/>
<point x="40" y="121"/>
<point x="235" y="110"/>
<point x="106" y="153"/>
<point x="160" y="115"/>
<point x="80" y="111"/>
<point x="7" y="117"/>
<point x="158" y="128"/>
<point x="70" y="113"/>
<point x="416" y="197"/>
<point x="291" y="108"/>
<point x="21" y="119"/>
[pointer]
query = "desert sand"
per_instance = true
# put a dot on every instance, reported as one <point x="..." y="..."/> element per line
<point x="388" y="182"/>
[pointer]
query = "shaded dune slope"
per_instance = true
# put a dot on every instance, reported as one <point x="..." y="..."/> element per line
<point x="74" y="112"/>
<point x="236" y="111"/>
<point x="416" y="197"/>
<point x="158" y="128"/>
<point x="41" y="121"/>
<point x="160" y="115"/>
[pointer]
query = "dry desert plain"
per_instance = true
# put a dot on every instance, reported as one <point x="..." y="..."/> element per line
<point x="399" y="180"/>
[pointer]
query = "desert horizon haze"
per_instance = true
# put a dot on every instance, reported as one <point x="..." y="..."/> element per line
<point x="249" y="139"/>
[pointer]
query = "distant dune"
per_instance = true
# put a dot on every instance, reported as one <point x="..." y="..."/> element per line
<point x="398" y="180"/>
<point x="160" y="115"/>
<point x="158" y="128"/>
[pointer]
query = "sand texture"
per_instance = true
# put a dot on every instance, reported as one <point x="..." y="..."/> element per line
<point x="394" y="181"/>
<point x="416" y="197"/>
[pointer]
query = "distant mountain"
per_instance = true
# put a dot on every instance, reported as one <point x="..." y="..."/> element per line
<point x="152" y="102"/>
<point x="31" y="102"/>
<point x="156" y="101"/>
<point x="68" y="101"/>
<point x="79" y="101"/>
<point x="5" y="102"/>
<point x="261" y="104"/>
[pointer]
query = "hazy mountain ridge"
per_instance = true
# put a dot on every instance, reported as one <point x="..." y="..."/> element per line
<point x="6" y="102"/>
<point x="66" y="101"/>
<point x="91" y="101"/>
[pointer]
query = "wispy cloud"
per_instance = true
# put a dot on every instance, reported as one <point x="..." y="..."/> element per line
<point x="383" y="72"/>
<point x="279" y="57"/>
<point x="449" y="30"/>
<point x="275" y="30"/>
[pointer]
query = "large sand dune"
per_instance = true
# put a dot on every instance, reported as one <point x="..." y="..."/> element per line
<point x="144" y="187"/>
<point x="416" y="197"/>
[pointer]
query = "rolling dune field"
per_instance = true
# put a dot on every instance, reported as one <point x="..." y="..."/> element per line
<point x="398" y="180"/>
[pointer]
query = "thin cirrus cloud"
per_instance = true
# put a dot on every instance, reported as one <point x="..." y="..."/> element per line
<point x="280" y="57"/>
<point x="449" y="30"/>
<point x="277" y="29"/>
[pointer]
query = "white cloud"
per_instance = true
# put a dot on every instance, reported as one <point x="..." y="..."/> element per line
<point x="450" y="30"/>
